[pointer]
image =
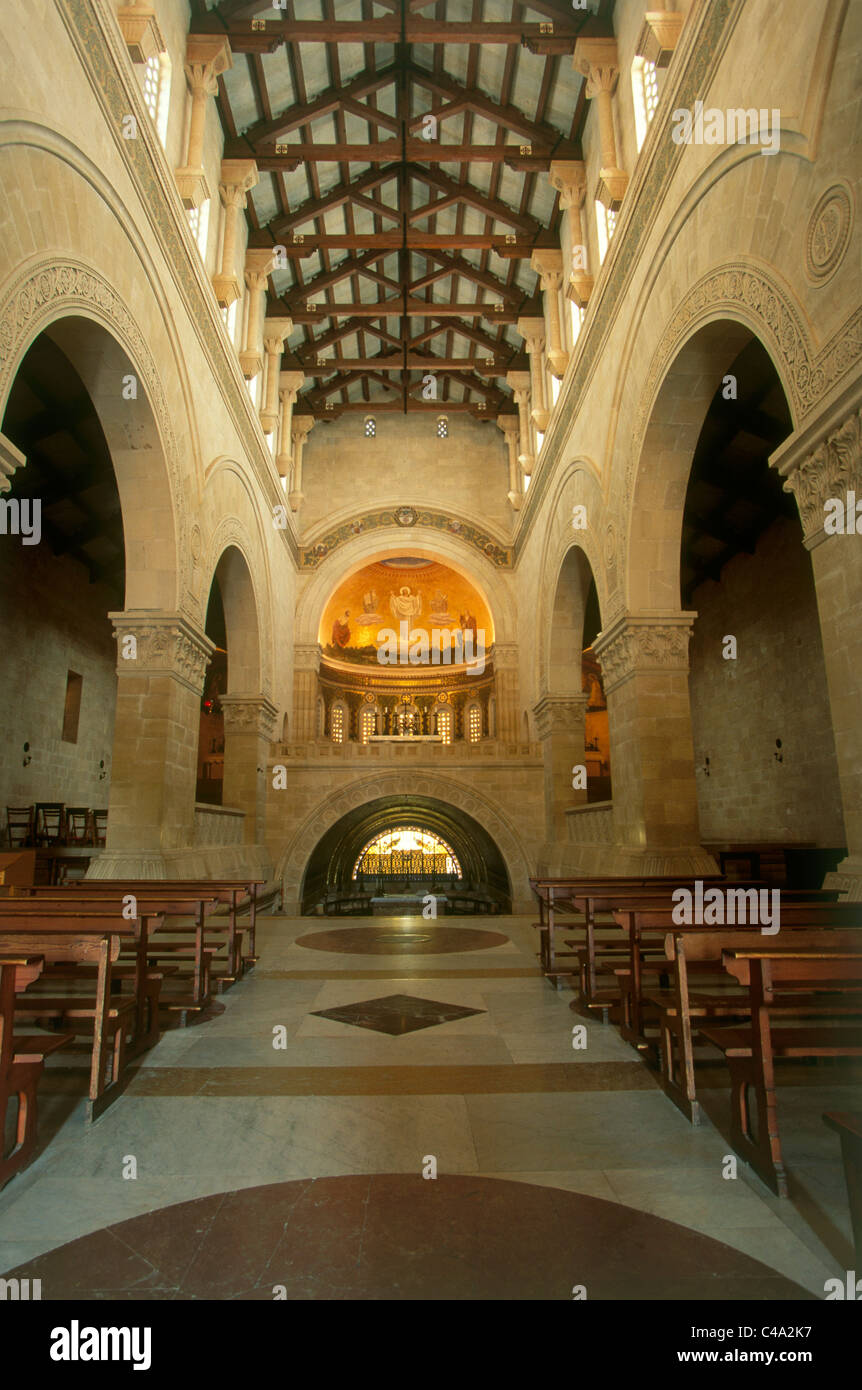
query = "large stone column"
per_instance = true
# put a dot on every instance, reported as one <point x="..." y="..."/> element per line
<point x="549" y="267"/>
<point x="533" y="333"/>
<point x="249" y="728"/>
<point x="275" y="330"/>
<point x="569" y="178"/>
<point x="561" y="721"/>
<point x="306" y="664"/>
<point x="645" y="672"/>
<point x="161" y="663"/>
<point x="289" y="384"/>
<point x="508" y="694"/>
<point x="238" y="176"/>
<point x="207" y="55"/>
<point x="511" y="430"/>
<point x="520" y="384"/>
<point x="597" y="60"/>
<point x="822" y="464"/>
<point x="301" y="427"/>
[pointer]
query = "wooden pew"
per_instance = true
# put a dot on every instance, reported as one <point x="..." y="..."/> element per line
<point x="567" y="897"/>
<point x="777" y="976"/>
<point x="237" y="894"/>
<point x="685" y="1005"/>
<point x="93" y="938"/>
<point x="21" y="1063"/>
<point x="174" y="945"/>
<point x="849" y="1129"/>
<point x="655" y="919"/>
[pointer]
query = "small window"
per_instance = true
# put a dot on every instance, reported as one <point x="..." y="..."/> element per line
<point x="606" y="222"/>
<point x="474" y="724"/>
<point x="72" y="708"/>
<point x="367" y="724"/>
<point x="199" y="219"/>
<point x="444" y="725"/>
<point x="157" y="92"/>
<point x="577" y="319"/>
<point x="336" y="724"/>
<point x="442" y="427"/>
<point x="370" y="427"/>
<point x="645" y="93"/>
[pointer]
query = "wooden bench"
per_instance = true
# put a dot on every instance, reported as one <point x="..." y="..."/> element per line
<point x="800" y="908"/>
<point x="22" y="1060"/>
<point x="94" y="939"/>
<point x="785" y="983"/>
<point x="694" y="996"/>
<point x="848" y="1127"/>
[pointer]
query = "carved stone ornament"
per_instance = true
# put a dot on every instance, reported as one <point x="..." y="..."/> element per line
<point x="164" y="644"/>
<point x="406" y="516"/>
<point x="830" y="470"/>
<point x="560" y="714"/>
<point x="828" y="234"/>
<point x="634" y="646"/>
<point x="249" y="714"/>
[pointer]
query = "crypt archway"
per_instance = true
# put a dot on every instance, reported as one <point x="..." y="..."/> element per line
<point x="336" y="872"/>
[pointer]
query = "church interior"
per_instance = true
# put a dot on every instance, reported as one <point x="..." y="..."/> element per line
<point x="431" y="601"/>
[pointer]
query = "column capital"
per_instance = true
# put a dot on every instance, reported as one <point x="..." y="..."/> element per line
<point x="596" y="59"/>
<point x="509" y="425"/>
<point x="533" y="333"/>
<point x="659" y="36"/>
<point x="823" y="463"/>
<point x="641" y="644"/>
<point x="275" y="330"/>
<point x="10" y="459"/>
<point x="238" y="177"/>
<point x="301" y="427"/>
<point x="140" y="29"/>
<point x="306" y="656"/>
<point x="518" y="381"/>
<point x="569" y="178"/>
<point x="548" y="265"/>
<point x="249" y="714"/>
<point x="207" y="56"/>
<point x="560" y="714"/>
<point x="290" y="382"/>
<point x="162" y="644"/>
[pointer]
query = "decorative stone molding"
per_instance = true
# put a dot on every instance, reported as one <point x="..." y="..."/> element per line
<point x="238" y="177"/>
<point x="659" y="36"/>
<point x="11" y="458"/>
<point x="638" y="645"/>
<point x="218" y="825"/>
<point x="828" y="235"/>
<point x="249" y="714"/>
<point x="591" y="824"/>
<point x="831" y="469"/>
<point x="50" y="290"/>
<point x="560" y="714"/>
<point x="140" y="29"/>
<point x="165" y="644"/>
<point x="493" y="549"/>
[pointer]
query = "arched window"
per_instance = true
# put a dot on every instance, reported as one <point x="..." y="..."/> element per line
<point x="199" y="222"/>
<point x="157" y="92"/>
<point x="338" y="722"/>
<point x="407" y="850"/>
<point x="473" y="722"/>
<point x="368" y="722"/>
<point x="606" y="222"/>
<point x="645" y="93"/>
<point x="442" y="724"/>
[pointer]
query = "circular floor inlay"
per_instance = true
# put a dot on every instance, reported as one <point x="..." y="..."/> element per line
<point x="394" y="1236"/>
<point x="373" y="941"/>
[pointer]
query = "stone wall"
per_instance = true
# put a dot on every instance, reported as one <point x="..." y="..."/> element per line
<point x="776" y="688"/>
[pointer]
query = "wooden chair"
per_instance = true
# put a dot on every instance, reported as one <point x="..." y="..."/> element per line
<point x="20" y="832"/>
<point x="21" y="1062"/>
<point x="79" y="830"/>
<point x="50" y="823"/>
<point x="100" y="826"/>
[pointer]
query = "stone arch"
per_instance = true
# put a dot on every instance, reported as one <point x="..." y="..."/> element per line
<point x="578" y="484"/>
<point x="247" y="539"/>
<point x="91" y="324"/>
<point x="293" y="861"/>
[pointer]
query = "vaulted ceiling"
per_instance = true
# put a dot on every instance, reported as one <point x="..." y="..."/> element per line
<point x="400" y="145"/>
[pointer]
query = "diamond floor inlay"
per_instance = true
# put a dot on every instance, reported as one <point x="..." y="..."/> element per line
<point x="396" y="1014"/>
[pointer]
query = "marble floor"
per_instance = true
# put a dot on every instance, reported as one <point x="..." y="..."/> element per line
<point x="331" y="1082"/>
